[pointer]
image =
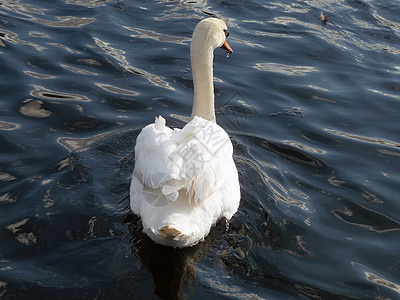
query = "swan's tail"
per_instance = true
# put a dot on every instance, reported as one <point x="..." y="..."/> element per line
<point x="176" y="234"/>
<point x="159" y="123"/>
<point x="170" y="232"/>
<point x="170" y="235"/>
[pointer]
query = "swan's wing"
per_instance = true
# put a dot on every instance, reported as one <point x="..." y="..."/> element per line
<point x="153" y="168"/>
<point x="193" y="159"/>
<point x="204" y="155"/>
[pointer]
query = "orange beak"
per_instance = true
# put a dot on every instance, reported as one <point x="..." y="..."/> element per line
<point x="227" y="48"/>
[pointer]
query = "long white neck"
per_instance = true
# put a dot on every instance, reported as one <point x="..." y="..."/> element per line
<point x="201" y="55"/>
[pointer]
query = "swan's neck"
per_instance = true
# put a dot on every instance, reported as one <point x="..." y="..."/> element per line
<point x="202" y="67"/>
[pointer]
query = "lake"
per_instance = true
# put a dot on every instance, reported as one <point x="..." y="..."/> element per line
<point x="312" y="109"/>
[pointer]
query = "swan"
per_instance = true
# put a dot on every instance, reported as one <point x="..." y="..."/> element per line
<point x="185" y="180"/>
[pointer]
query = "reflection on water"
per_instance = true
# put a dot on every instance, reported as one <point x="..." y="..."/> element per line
<point x="313" y="122"/>
<point x="16" y="6"/>
<point x="65" y="21"/>
<point x="38" y="75"/>
<point x="365" y="139"/>
<point x="366" y="218"/>
<point x="397" y="97"/>
<point x="8" y="126"/>
<point x="29" y="11"/>
<point x="65" y="48"/>
<point x="148" y="34"/>
<point x="27" y="238"/>
<point x="173" y="270"/>
<point x="88" y="3"/>
<point x="12" y="38"/>
<point x="43" y="93"/>
<point x="34" y="109"/>
<point x="75" y="144"/>
<point x="381" y="281"/>
<point x="77" y="70"/>
<point x="117" y="90"/>
<point x="284" y="69"/>
<point x="117" y="54"/>
<point x="7" y="198"/>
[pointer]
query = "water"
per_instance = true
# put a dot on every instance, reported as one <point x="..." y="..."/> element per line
<point x="312" y="110"/>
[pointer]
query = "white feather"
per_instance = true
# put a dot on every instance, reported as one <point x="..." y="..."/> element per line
<point x="185" y="178"/>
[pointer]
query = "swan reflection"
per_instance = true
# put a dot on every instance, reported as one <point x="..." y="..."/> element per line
<point x="173" y="269"/>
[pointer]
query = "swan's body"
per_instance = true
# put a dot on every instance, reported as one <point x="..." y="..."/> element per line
<point x="185" y="180"/>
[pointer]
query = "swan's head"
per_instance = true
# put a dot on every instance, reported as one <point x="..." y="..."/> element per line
<point x="211" y="32"/>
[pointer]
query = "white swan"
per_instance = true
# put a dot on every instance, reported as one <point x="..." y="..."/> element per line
<point x="185" y="180"/>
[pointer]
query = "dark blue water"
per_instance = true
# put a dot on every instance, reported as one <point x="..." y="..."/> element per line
<point x="312" y="110"/>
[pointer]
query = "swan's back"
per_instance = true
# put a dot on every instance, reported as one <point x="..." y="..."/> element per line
<point x="184" y="181"/>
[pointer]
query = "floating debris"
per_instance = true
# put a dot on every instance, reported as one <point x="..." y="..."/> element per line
<point x="323" y="18"/>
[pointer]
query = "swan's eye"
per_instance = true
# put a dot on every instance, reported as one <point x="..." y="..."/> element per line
<point x="226" y="32"/>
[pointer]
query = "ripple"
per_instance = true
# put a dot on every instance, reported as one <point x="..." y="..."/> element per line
<point x="117" y="90"/>
<point x="74" y="144"/>
<point x="117" y="54"/>
<point x="365" y="139"/>
<point x="34" y="108"/>
<point x="284" y="20"/>
<point x="30" y="10"/>
<point x="8" y="198"/>
<point x="294" y="112"/>
<point x="376" y="46"/>
<point x="304" y="147"/>
<point x="24" y="9"/>
<point x="276" y="34"/>
<point x="88" y="3"/>
<point x="89" y="61"/>
<point x="387" y="23"/>
<point x="65" y="48"/>
<point x="336" y="36"/>
<point x="3" y="288"/>
<point x="38" y="34"/>
<point x="292" y="8"/>
<point x="276" y="188"/>
<point x="148" y="34"/>
<point x="12" y="38"/>
<point x="247" y="43"/>
<point x="361" y="216"/>
<point x="385" y="94"/>
<point x="388" y="152"/>
<point x="7" y="177"/>
<point x="284" y="69"/>
<point x="383" y="282"/>
<point x="315" y="87"/>
<point x="66" y="22"/>
<point x="258" y="165"/>
<point x="294" y="153"/>
<point x="27" y="238"/>
<point x="8" y="126"/>
<point x="77" y="70"/>
<point x="396" y="71"/>
<point x="42" y="92"/>
<point x="39" y="75"/>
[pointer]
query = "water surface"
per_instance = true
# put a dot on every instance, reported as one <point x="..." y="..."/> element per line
<point x="312" y="111"/>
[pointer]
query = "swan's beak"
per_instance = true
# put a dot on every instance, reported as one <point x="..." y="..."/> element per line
<point x="227" y="48"/>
